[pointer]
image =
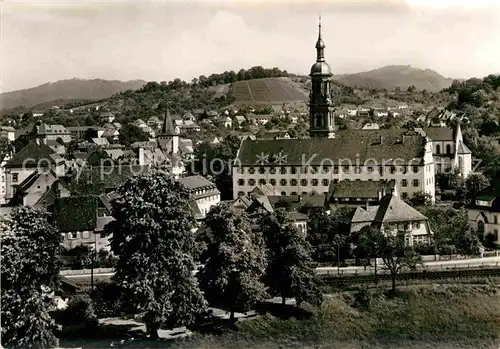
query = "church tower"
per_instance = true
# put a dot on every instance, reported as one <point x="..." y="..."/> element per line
<point x="321" y="119"/>
<point x="168" y="139"/>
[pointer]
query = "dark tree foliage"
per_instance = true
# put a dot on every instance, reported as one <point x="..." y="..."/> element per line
<point x="234" y="262"/>
<point x="130" y="134"/>
<point x="29" y="272"/>
<point x="153" y="241"/>
<point x="290" y="272"/>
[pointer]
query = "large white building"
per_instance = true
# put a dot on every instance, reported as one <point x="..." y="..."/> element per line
<point x="308" y="166"/>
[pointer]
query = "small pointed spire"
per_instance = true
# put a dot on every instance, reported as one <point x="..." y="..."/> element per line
<point x="319" y="26"/>
<point x="168" y="126"/>
<point x="320" y="45"/>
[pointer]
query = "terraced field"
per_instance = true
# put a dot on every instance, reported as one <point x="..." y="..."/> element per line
<point x="268" y="90"/>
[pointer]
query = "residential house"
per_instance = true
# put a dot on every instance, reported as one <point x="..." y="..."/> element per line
<point x="53" y="133"/>
<point x="140" y="123"/>
<point x="371" y="126"/>
<point x="204" y="194"/>
<point x="101" y="142"/>
<point x="239" y="119"/>
<point x="351" y="110"/>
<point x="81" y="221"/>
<point x="78" y="132"/>
<point x="357" y="193"/>
<point x="189" y="116"/>
<point x="484" y="214"/>
<point x="212" y="114"/>
<point x="228" y="122"/>
<point x="8" y="132"/>
<point x="33" y="190"/>
<point x="154" y="122"/>
<point x="380" y="113"/>
<point x="190" y="126"/>
<point x="393" y="216"/>
<point x="260" y="119"/>
<point x="33" y="157"/>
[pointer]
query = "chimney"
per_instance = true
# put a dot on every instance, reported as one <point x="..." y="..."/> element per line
<point x="141" y="156"/>
<point x="381" y="139"/>
<point x="380" y="195"/>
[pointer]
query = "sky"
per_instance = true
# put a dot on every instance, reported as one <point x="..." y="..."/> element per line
<point x="44" y="41"/>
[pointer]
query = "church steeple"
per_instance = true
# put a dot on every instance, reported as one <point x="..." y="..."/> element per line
<point x="321" y="120"/>
<point x="168" y="126"/>
<point x="320" y="45"/>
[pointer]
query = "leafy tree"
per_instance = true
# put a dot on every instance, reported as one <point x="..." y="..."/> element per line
<point x="369" y="242"/>
<point x="130" y="133"/>
<point x="5" y="146"/>
<point x="234" y="262"/>
<point x="89" y="134"/>
<point x="290" y="272"/>
<point x="153" y="241"/>
<point x="420" y="199"/>
<point x="29" y="272"/>
<point x="396" y="256"/>
<point x="474" y="183"/>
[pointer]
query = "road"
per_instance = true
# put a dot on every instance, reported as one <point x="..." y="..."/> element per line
<point x="427" y="265"/>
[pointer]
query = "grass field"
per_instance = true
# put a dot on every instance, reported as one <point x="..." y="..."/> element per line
<point x="270" y="90"/>
<point x="430" y="316"/>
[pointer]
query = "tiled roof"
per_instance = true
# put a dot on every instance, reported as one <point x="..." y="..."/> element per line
<point x="33" y="153"/>
<point x="360" y="189"/>
<point x="83" y="128"/>
<point x="462" y="149"/>
<point x="100" y="141"/>
<point x="52" y="129"/>
<point x="196" y="182"/>
<point x="353" y="145"/>
<point x="101" y="222"/>
<point x="297" y="216"/>
<point x="439" y="133"/>
<point x="196" y="209"/>
<point x="75" y="213"/>
<point x="393" y="209"/>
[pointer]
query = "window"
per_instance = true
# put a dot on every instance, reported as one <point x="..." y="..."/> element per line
<point x="293" y="193"/>
<point x="303" y="170"/>
<point x="495" y="219"/>
<point x="404" y="169"/>
<point x="438" y="149"/>
<point x="358" y="170"/>
<point x="406" y="227"/>
<point x="416" y="225"/>
<point x="304" y="193"/>
<point x="102" y="212"/>
<point x="283" y="170"/>
<point x="335" y="181"/>
<point x="448" y="149"/>
<point x="262" y="170"/>
<point x="325" y="169"/>
<point x="294" y="170"/>
<point x="251" y="170"/>
<point x="393" y="169"/>
<point x="283" y="193"/>
<point x="241" y="193"/>
<point x="283" y="182"/>
<point x="415" y="182"/>
<point x="240" y="170"/>
<point x="335" y="170"/>
<point x="404" y="182"/>
<point x="272" y="170"/>
<point x="314" y="169"/>
<point x="241" y="181"/>
<point x="415" y="169"/>
<point x="381" y="170"/>
<point x="272" y="181"/>
<point x="404" y="196"/>
<point x="15" y="177"/>
<point x="75" y="235"/>
<point x="303" y="182"/>
<point x="346" y="169"/>
<point x="315" y="182"/>
<point x="85" y="235"/>
<point x="370" y="169"/>
<point x="251" y="181"/>
<point x="262" y="181"/>
<point x="293" y="182"/>
<point x="325" y="182"/>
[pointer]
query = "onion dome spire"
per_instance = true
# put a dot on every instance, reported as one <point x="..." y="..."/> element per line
<point x="320" y="45"/>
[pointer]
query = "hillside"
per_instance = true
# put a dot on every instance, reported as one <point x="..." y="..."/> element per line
<point x="268" y="90"/>
<point x="402" y="76"/>
<point x="67" y="90"/>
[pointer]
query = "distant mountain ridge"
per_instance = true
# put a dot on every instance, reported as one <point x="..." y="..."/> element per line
<point x="70" y="89"/>
<point x="393" y="76"/>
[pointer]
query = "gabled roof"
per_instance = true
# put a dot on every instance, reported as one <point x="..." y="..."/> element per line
<point x="167" y="128"/>
<point x="439" y="133"/>
<point x="377" y="145"/>
<point x="393" y="209"/>
<point x="100" y="141"/>
<point x="52" y="129"/>
<point x="196" y="182"/>
<point x="32" y="155"/>
<point x="462" y="149"/>
<point x="297" y="216"/>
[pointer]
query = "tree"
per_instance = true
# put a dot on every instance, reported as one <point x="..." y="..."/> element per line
<point x="153" y="241"/>
<point x="290" y="272"/>
<point x="130" y="133"/>
<point x="89" y="134"/>
<point x="234" y="262"/>
<point x="29" y="272"/>
<point x="420" y="199"/>
<point x="396" y="256"/>
<point x="474" y="183"/>
<point x="368" y="243"/>
<point x="5" y="146"/>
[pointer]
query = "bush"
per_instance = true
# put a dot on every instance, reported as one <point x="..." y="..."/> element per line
<point x="106" y="300"/>
<point x="79" y="312"/>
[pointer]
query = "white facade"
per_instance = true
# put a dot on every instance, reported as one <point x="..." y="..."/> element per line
<point x="295" y="180"/>
<point x="484" y="220"/>
<point x="3" y="181"/>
